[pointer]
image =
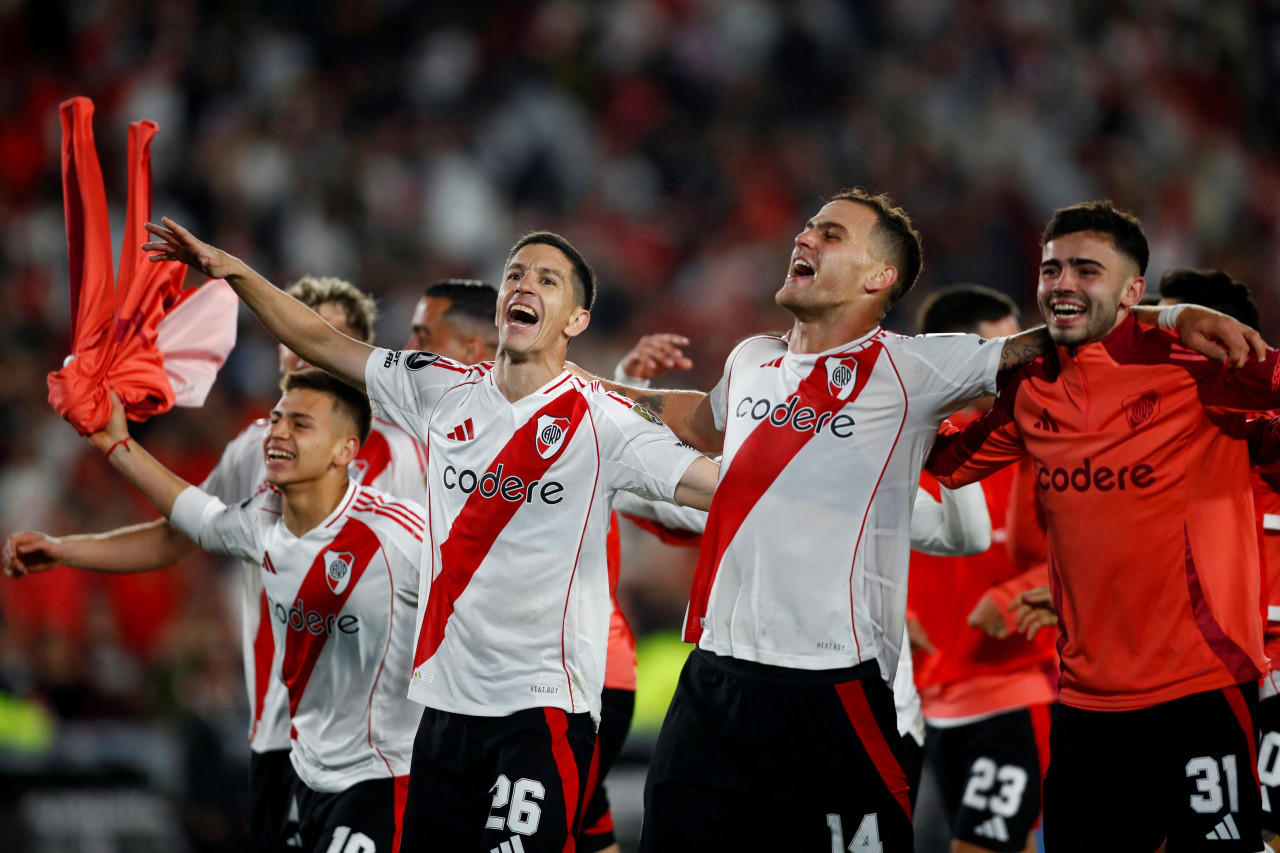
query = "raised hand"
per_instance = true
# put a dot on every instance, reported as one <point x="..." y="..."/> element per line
<point x="175" y="243"/>
<point x="29" y="552"/>
<point x="654" y="355"/>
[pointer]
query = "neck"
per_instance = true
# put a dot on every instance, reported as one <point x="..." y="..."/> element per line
<point x="819" y="334"/>
<point x="520" y="376"/>
<point x="307" y="504"/>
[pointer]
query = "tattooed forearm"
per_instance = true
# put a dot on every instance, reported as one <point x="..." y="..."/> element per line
<point x="652" y="402"/>
<point x="1024" y="348"/>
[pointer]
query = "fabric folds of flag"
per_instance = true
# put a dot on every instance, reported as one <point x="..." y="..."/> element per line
<point x="114" y="324"/>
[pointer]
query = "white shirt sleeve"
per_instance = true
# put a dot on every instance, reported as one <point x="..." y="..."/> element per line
<point x="638" y="452"/>
<point x="671" y="516"/>
<point x="950" y="371"/>
<point x="957" y="527"/>
<point x="720" y="394"/>
<point x="405" y="385"/>
<point x="216" y="527"/>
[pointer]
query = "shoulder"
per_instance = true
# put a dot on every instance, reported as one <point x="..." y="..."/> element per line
<point x="765" y="347"/>
<point x="415" y="364"/>
<point x="388" y="514"/>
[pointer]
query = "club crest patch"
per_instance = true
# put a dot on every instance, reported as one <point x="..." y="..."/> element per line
<point x="841" y="376"/>
<point x="337" y="570"/>
<point x="1141" y="409"/>
<point x="550" y="435"/>
<point x="418" y="359"/>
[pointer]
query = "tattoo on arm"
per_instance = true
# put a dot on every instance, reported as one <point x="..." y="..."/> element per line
<point x="1024" y="348"/>
<point x="652" y="402"/>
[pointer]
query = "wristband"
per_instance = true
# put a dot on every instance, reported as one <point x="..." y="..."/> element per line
<point x="1168" y="317"/>
<point x="621" y="377"/>
<point x="112" y="448"/>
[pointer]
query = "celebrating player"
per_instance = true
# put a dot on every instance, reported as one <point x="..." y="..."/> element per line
<point x="781" y="732"/>
<point x="339" y="564"/>
<point x="389" y="460"/>
<point x="523" y="458"/>
<point x="1153" y="553"/>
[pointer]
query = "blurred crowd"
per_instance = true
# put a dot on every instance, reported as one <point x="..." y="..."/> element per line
<point x="679" y="143"/>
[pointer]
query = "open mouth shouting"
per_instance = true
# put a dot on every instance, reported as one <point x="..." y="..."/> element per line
<point x="522" y="316"/>
<point x="801" y="271"/>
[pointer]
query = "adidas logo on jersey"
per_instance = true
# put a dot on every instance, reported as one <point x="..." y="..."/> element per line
<point x="463" y="431"/>
<point x="337" y="570"/>
<point x="550" y="434"/>
<point x="1046" y="422"/>
<point x="994" y="828"/>
<point x="515" y="845"/>
<point x="1224" y="831"/>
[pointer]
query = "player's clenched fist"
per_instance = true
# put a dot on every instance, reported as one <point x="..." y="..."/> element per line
<point x="28" y="552"/>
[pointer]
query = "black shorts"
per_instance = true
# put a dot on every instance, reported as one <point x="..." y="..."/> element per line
<point x="1184" y="770"/>
<point x="990" y="773"/>
<point x="1268" y="721"/>
<point x="507" y="783"/>
<point x="361" y="819"/>
<point x="271" y="781"/>
<point x="616" y="710"/>
<point x="913" y="766"/>
<point x="754" y="757"/>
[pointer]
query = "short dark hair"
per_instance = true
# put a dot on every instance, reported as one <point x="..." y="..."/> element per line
<point x="584" y="280"/>
<point x="470" y="297"/>
<point x="1102" y="217"/>
<point x="961" y="307"/>
<point x="349" y="400"/>
<point x="314" y="291"/>
<point x="1214" y="289"/>
<point x="893" y="233"/>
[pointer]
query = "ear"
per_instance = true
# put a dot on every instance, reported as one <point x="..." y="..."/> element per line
<point x="1133" y="290"/>
<point x="578" y="322"/>
<point x="345" y="451"/>
<point x="474" y="348"/>
<point x="883" y="280"/>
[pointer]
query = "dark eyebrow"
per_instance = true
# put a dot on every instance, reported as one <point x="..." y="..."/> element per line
<point x="1072" y="262"/>
<point x="825" y="225"/>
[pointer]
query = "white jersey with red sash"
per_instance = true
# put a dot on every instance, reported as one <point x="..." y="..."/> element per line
<point x="389" y="460"/>
<point x="804" y="559"/>
<point x="515" y="586"/>
<point x="340" y="604"/>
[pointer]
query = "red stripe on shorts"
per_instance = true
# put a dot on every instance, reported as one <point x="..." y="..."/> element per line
<point x="402" y="796"/>
<point x="558" y="723"/>
<point x="854" y="699"/>
<point x="1235" y="698"/>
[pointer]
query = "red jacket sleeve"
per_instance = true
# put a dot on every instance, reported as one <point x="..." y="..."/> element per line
<point x="1024" y="519"/>
<point x="986" y="445"/>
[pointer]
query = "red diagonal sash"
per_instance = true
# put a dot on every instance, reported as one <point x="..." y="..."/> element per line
<point x="482" y="520"/>
<point x="302" y="647"/>
<point x="757" y="464"/>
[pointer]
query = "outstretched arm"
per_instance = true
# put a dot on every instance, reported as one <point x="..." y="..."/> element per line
<point x="288" y="320"/>
<point x="1206" y="331"/>
<point x="139" y="548"/>
<point x="158" y="484"/>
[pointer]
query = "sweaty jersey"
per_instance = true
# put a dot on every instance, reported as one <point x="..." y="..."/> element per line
<point x="1153" y="552"/>
<point x="389" y="460"/>
<point x="515" y="586"/>
<point x="804" y="563"/>
<point x="340" y="605"/>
